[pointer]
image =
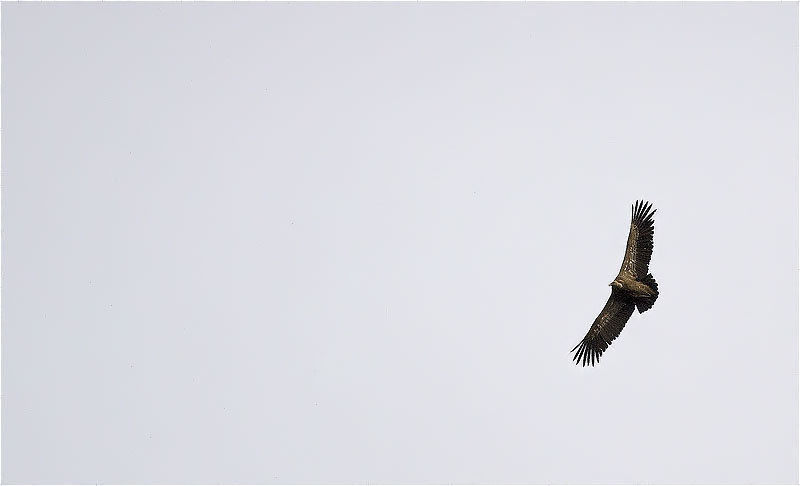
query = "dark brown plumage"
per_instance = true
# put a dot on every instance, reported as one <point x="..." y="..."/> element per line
<point x="634" y="288"/>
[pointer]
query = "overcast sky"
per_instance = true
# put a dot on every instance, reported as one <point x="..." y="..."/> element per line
<point x="280" y="243"/>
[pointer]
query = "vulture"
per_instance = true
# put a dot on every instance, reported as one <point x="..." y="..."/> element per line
<point x="634" y="287"/>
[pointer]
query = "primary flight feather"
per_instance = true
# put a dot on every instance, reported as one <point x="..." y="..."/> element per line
<point x="633" y="288"/>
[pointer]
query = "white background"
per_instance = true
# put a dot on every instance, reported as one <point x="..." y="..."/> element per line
<point x="356" y="242"/>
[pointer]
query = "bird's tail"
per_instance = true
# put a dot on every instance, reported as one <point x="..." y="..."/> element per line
<point x="642" y="304"/>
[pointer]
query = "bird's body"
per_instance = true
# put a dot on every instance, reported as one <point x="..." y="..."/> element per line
<point x="633" y="288"/>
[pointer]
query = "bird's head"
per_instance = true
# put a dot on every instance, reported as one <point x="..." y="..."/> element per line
<point x="616" y="284"/>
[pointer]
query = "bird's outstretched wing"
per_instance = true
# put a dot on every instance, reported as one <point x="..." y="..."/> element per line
<point x="640" y="241"/>
<point x="604" y="330"/>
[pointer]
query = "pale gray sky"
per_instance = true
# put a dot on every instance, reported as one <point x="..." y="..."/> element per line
<point x="355" y="242"/>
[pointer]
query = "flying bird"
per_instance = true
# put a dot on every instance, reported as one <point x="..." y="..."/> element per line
<point x="634" y="287"/>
